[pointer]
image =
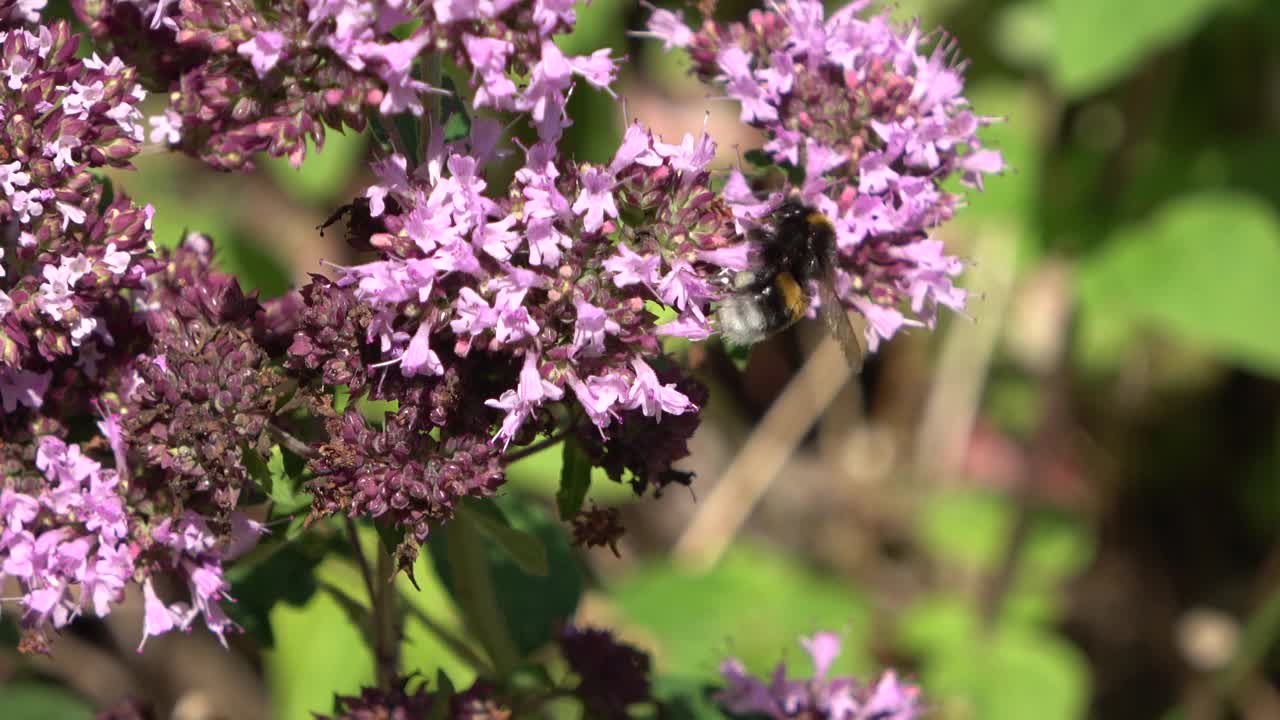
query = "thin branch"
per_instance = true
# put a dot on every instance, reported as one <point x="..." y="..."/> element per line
<point x="533" y="448"/>
<point x="384" y="656"/>
<point x="387" y="623"/>
<point x="764" y="453"/>
<point x="292" y="443"/>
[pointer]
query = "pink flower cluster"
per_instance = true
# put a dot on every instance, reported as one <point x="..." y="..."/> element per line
<point x="536" y="276"/>
<point x="874" y="114"/>
<point x="72" y="543"/>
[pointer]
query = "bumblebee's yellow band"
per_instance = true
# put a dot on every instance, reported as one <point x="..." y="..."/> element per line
<point x="793" y="296"/>
<point x="817" y="218"/>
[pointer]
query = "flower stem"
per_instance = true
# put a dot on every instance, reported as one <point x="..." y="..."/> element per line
<point x="291" y="442"/>
<point x="386" y="643"/>
<point x="539" y="446"/>
<point x="474" y="591"/>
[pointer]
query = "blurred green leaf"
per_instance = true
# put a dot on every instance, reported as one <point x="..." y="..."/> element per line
<point x="1012" y="198"/>
<point x="601" y="23"/>
<point x="531" y="604"/>
<point x="1016" y="672"/>
<point x="754" y="605"/>
<point x="1096" y="42"/>
<point x="1202" y="269"/>
<point x="1023" y="34"/>
<point x="285" y="575"/>
<point x="685" y="699"/>
<point x="457" y="122"/>
<point x="523" y="548"/>
<point x="324" y="175"/>
<point x="539" y="474"/>
<point x="255" y="268"/>
<point x="318" y="652"/>
<point x="9" y="635"/>
<point x="575" y="479"/>
<point x="1020" y="675"/>
<point x="38" y="701"/>
<point x="971" y="528"/>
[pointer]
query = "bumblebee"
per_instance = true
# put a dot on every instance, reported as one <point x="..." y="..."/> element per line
<point x="796" y="251"/>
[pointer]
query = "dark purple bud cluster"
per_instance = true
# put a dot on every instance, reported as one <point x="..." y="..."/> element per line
<point x="612" y="675"/>
<point x="399" y="703"/>
<point x="329" y="344"/>
<point x="598" y="527"/>
<point x="206" y="392"/>
<point x="400" y="473"/>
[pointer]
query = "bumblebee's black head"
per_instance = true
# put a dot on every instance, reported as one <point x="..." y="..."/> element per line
<point x="791" y="210"/>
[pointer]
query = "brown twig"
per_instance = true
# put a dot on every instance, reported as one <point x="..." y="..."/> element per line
<point x="291" y="442"/>
<point x="764" y="453"/>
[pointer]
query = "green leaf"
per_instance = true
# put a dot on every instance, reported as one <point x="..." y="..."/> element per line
<point x="9" y="635"/>
<point x="662" y="314"/>
<point x="685" y="699"/>
<point x="444" y="695"/>
<point x="1021" y="674"/>
<point x="1097" y="42"/>
<point x="341" y="397"/>
<point x="523" y="548"/>
<point x="254" y="266"/>
<point x="694" y="623"/>
<point x="457" y="122"/>
<point x="530" y="604"/>
<point x="276" y="481"/>
<point x="1202" y="269"/>
<point x="971" y="528"/>
<point x="285" y="575"/>
<point x="38" y="701"/>
<point x="600" y="23"/>
<point x="318" y="653"/>
<point x="1017" y="671"/>
<point x="539" y="474"/>
<point x="325" y="174"/>
<point x="575" y="480"/>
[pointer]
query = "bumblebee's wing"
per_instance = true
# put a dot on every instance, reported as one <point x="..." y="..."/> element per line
<point x="836" y="318"/>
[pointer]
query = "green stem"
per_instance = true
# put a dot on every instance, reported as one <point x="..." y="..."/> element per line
<point x="382" y="609"/>
<point x="477" y="600"/>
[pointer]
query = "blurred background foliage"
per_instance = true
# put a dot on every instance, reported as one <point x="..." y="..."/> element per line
<point x="1062" y="506"/>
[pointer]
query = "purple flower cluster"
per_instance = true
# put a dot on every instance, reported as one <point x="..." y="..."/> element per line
<point x="71" y="541"/>
<point x="537" y="277"/>
<point x="19" y="12"/>
<point x="247" y="78"/>
<point x="535" y="301"/>
<point x="874" y="116"/>
<point x="68" y="250"/>
<point x="820" y="697"/>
